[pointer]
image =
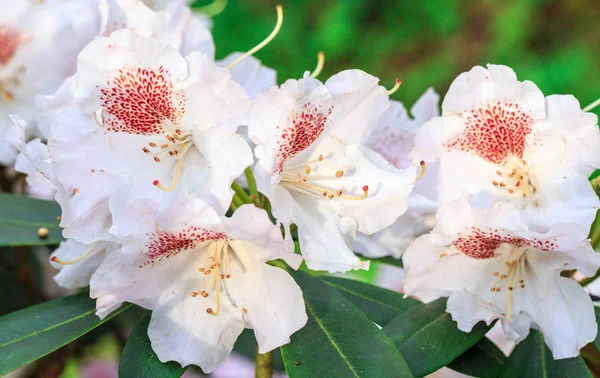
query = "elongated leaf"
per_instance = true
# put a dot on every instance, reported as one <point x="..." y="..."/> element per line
<point x="428" y="338"/>
<point x="32" y="333"/>
<point x="388" y="260"/>
<point x="532" y="358"/>
<point x="139" y="360"/>
<point x="338" y="340"/>
<point x="22" y="217"/>
<point x="483" y="360"/>
<point x="379" y="304"/>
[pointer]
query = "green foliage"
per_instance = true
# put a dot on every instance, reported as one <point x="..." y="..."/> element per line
<point x="139" y="360"/>
<point x="428" y="338"/>
<point x="380" y="305"/>
<point x="532" y="358"/>
<point x="22" y="217"/>
<point x="337" y="337"/>
<point x="483" y="360"/>
<point x="34" y="332"/>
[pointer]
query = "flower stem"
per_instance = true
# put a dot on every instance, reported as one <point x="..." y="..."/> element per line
<point x="588" y="280"/>
<point x="239" y="191"/>
<point x="236" y="201"/>
<point x="252" y="188"/>
<point x="264" y="365"/>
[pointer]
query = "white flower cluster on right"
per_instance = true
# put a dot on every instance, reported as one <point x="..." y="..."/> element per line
<point x="515" y="209"/>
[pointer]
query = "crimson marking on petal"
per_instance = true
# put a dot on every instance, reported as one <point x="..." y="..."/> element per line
<point x="303" y="129"/>
<point x="494" y="132"/>
<point x="140" y="100"/>
<point x="482" y="244"/>
<point x="168" y="244"/>
<point x="10" y="38"/>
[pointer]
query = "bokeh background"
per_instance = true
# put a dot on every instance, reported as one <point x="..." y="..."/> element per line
<point x="425" y="42"/>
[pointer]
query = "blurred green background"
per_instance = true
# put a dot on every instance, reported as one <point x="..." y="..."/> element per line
<point x="424" y="42"/>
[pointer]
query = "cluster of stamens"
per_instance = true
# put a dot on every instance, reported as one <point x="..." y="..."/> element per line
<point x="297" y="178"/>
<point x="216" y="269"/>
<point x="513" y="269"/>
<point x="178" y="144"/>
<point x="514" y="178"/>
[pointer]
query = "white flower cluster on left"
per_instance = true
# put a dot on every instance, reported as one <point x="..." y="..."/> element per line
<point x="140" y="146"/>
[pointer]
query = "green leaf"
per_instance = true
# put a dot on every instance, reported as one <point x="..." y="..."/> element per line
<point x="139" y="360"/>
<point x="388" y="260"/>
<point x="379" y="304"/>
<point x="21" y="218"/>
<point x="483" y="360"/>
<point x="532" y="358"/>
<point x="338" y="339"/>
<point x="428" y="338"/>
<point x="34" y="332"/>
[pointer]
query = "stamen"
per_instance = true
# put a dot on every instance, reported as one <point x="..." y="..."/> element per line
<point x="420" y="176"/>
<point x="339" y="173"/>
<point x="279" y="9"/>
<point x="510" y="289"/>
<point x="395" y="88"/>
<point x="78" y="259"/>
<point x="592" y="105"/>
<point x="175" y="179"/>
<point x="320" y="64"/>
<point x="219" y="248"/>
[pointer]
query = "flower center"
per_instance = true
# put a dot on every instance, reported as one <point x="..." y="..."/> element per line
<point x="495" y="131"/>
<point x="302" y="179"/>
<point x="215" y="271"/>
<point x="303" y="129"/>
<point x="489" y="244"/>
<point x="10" y="38"/>
<point x="513" y="178"/>
<point x="142" y="101"/>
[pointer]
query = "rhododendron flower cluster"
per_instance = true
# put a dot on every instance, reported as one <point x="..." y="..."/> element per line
<point x="182" y="179"/>
<point x="516" y="209"/>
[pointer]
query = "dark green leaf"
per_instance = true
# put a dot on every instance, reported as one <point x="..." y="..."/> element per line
<point x="532" y="358"/>
<point x="22" y="217"/>
<point x="338" y="339"/>
<point x="32" y="333"/>
<point x="139" y="360"/>
<point x="246" y="346"/>
<point x="483" y="360"/>
<point x="379" y="304"/>
<point x="388" y="260"/>
<point x="428" y="338"/>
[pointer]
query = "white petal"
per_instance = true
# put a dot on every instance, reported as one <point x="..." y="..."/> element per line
<point x="359" y="102"/>
<point x="224" y="156"/>
<point x="274" y="117"/>
<point x="250" y="73"/>
<point x="325" y="238"/>
<point x="78" y="275"/>
<point x="270" y="299"/>
<point x="250" y="224"/>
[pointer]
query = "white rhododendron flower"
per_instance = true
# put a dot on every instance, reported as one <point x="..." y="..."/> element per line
<point x="77" y="262"/>
<point x="39" y="43"/>
<point x="492" y="265"/>
<point x="174" y="24"/>
<point x="393" y="139"/>
<point x="150" y="122"/>
<point x="314" y="169"/>
<point x="205" y="278"/>
<point x="500" y="138"/>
